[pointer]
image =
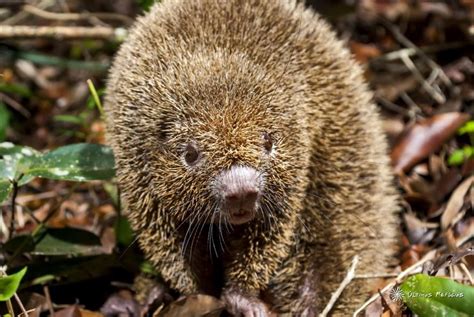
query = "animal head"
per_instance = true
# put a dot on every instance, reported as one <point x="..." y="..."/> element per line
<point x="217" y="136"/>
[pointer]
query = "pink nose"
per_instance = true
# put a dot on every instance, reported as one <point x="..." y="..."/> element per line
<point x="246" y="199"/>
<point x="239" y="189"/>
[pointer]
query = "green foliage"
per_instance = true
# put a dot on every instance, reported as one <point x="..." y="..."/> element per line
<point x="16" y="89"/>
<point x="459" y="156"/>
<point x="92" y="102"/>
<point x="67" y="118"/>
<point x="95" y="96"/>
<point x="146" y="4"/>
<point x="148" y="268"/>
<point x="4" y="121"/>
<point x="123" y="231"/>
<point x="468" y="127"/>
<point x="56" y="242"/>
<point x="75" y="162"/>
<point x="9" y="284"/>
<point x="429" y="296"/>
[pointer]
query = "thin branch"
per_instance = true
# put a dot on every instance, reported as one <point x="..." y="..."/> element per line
<point x="402" y="39"/>
<point x="48" y="300"/>
<point x="399" y="278"/>
<point x="435" y="94"/>
<point x="13" y="209"/>
<point x="15" y="105"/>
<point x="10" y="308"/>
<point x="373" y="276"/>
<point x="335" y="296"/>
<point x="76" y="16"/>
<point x="395" y="55"/>
<point x="62" y="32"/>
<point x="466" y="272"/>
<point x="22" y="308"/>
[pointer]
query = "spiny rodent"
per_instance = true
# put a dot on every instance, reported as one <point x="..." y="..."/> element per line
<point x="250" y="155"/>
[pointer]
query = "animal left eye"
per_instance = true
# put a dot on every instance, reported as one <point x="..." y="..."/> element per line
<point x="267" y="142"/>
<point x="191" y="154"/>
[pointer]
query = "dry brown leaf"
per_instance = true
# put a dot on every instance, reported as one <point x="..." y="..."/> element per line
<point x="424" y="138"/>
<point x="455" y="203"/>
<point x="364" y="52"/>
<point x="463" y="231"/>
<point x="445" y="185"/>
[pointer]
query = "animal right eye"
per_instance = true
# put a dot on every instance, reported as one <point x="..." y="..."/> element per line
<point x="191" y="154"/>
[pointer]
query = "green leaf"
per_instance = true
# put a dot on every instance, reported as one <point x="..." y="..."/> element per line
<point x="123" y="231"/>
<point x="14" y="165"/>
<point x="69" y="119"/>
<point x="8" y="148"/>
<point x="44" y="279"/>
<point x="5" y="182"/>
<point x="5" y="189"/>
<point x="456" y="158"/>
<point x="9" y="284"/>
<point x="468" y="127"/>
<point x="4" y="120"/>
<point x="91" y="100"/>
<point x="76" y="162"/>
<point x="17" y="89"/>
<point x="148" y="268"/>
<point x="113" y="192"/>
<point x="460" y="155"/>
<point x="146" y="4"/>
<point x="95" y="96"/>
<point x="57" y="242"/>
<point x="430" y="296"/>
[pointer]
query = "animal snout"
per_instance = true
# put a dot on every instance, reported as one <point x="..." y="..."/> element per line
<point x="240" y="189"/>
<point x="244" y="199"/>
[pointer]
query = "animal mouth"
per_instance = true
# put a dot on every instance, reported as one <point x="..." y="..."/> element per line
<point x="241" y="216"/>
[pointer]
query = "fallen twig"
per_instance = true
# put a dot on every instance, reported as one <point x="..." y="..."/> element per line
<point x="406" y="42"/>
<point x="435" y="94"/>
<point x="399" y="278"/>
<point x="15" y="105"/>
<point x="62" y="32"/>
<point x="75" y="16"/>
<point x="335" y="296"/>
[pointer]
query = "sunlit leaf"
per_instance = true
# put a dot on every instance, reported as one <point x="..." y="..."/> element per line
<point x="15" y="162"/>
<point x="9" y="284"/>
<point x="468" y="127"/>
<point x="459" y="156"/>
<point x="8" y="148"/>
<point x="5" y="182"/>
<point x="429" y="296"/>
<point x="76" y="162"/>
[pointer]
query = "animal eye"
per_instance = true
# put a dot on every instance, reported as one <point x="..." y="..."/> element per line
<point x="191" y="154"/>
<point x="267" y="142"/>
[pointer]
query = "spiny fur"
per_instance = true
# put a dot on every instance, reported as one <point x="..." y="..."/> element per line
<point x="219" y="74"/>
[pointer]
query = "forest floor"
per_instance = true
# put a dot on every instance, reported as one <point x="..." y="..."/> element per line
<point x="79" y="248"/>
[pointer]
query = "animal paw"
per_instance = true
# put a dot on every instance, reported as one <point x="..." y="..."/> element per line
<point x="242" y="305"/>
